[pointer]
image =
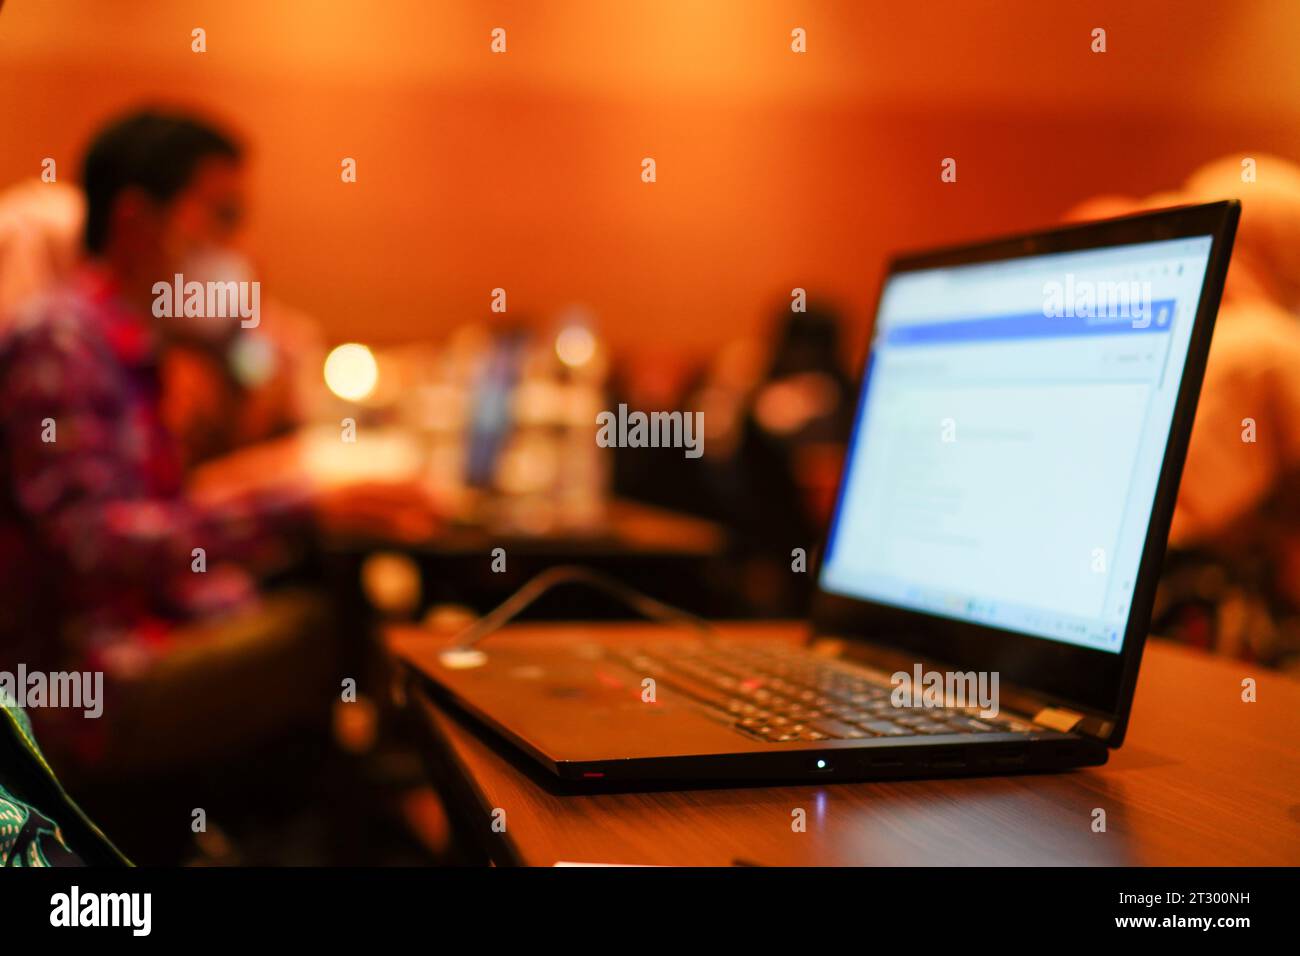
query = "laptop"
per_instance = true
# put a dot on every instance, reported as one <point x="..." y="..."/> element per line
<point x="985" y="588"/>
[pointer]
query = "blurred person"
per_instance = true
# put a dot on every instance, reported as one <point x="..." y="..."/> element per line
<point x="1232" y="578"/>
<point x="98" y="532"/>
<point x="801" y="414"/>
<point x="223" y="387"/>
<point x="1240" y="496"/>
<point x="1254" y="366"/>
<point x="777" y="416"/>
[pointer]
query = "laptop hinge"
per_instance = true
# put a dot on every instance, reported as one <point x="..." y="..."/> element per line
<point x="1058" y="718"/>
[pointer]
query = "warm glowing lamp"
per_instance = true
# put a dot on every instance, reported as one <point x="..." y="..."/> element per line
<point x="351" y="371"/>
<point x="575" y="345"/>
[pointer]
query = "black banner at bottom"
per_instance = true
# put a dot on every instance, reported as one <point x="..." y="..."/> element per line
<point x="606" y="906"/>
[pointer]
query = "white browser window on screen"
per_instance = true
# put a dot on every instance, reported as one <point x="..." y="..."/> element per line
<point x="1010" y="434"/>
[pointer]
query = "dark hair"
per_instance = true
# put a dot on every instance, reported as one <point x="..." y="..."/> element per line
<point x="155" y="152"/>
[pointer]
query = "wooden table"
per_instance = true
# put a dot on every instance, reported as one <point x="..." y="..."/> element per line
<point x="654" y="550"/>
<point x="628" y="529"/>
<point x="1203" y="779"/>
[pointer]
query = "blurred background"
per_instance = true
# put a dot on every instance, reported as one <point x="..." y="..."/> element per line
<point x="521" y="171"/>
<point x="477" y="171"/>
<point x="498" y="272"/>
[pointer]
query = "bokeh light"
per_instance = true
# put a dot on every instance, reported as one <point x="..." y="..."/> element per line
<point x="351" y="371"/>
<point x="575" y="345"/>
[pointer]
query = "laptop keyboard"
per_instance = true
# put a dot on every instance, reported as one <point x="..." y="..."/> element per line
<point x="783" y="695"/>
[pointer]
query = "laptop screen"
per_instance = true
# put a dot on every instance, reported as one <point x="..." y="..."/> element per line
<point x="1010" y="433"/>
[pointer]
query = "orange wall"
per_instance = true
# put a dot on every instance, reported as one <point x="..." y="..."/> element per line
<point x="775" y="170"/>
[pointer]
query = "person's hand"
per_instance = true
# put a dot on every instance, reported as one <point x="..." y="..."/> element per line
<point x="399" y="511"/>
<point x="266" y="468"/>
<point x="195" y="403"/>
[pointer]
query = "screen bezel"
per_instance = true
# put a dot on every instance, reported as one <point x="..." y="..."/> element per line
<point x="1096" y="682"/>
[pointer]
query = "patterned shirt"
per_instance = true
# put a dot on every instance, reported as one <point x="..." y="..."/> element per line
<point x="97" y="535"/>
